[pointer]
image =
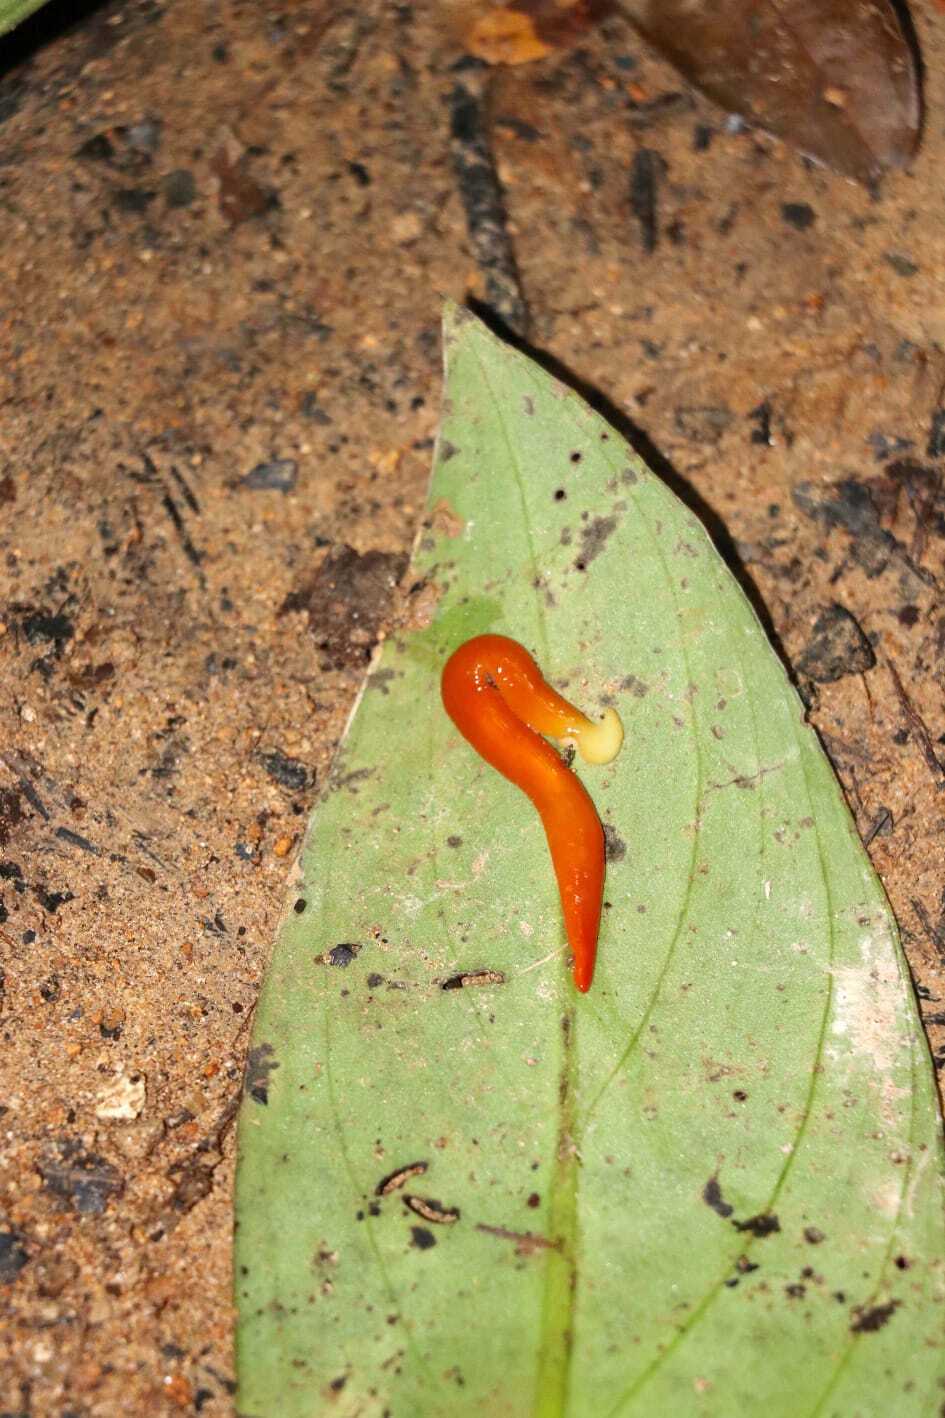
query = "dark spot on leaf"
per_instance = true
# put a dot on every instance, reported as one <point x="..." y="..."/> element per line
<point x="576" y="456"/>
<point x="528" y="404"/>
<point x="472" y="978"/>
<point x="902" y="1262"/>
<point x="423" y="1239"/>
<point x="534" y="1200"/>
<point x="712" y="1196"/>
<point x="765" y="1224"/>
<point x="454" y="841"/>
<point x="431" y="1210"/>
<point x="396" y="1179"/>
<point x="560" y="494"/>
<point x="796" y="1291"/>
<point x="813" y="1236"/>
<point x="381" y="679"/>
<point x="867" y="1319"/>
<point x="744" y="1266"/>
<point x="593" y="540"/>
<point x="526" y="1242"/>
<point x="341" y="955"/>
<point x="300" y="905"/>
<point x="635" y="686"/>
<point x="339" y="780"/>
<point x="740" y="1095"/>
<point x="615" y="848"/>
<point x="261" y="1062"/>
<point x="447" y="450"/>
<point x="338" y="1384"/>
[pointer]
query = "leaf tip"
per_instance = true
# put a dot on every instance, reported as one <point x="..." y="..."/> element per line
<point x="455" y="318"/>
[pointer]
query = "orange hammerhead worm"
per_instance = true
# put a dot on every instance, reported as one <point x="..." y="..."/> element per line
<point x="498" y="699"/>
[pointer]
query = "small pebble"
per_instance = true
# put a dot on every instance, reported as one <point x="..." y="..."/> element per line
<point x="288" y="772"/>
<point x="901" y="264"/>
<point x="277" y="476"/>
<point x="406" y="227"/>
<point x="799" y="215"/>
<point x="122" y="1099"/>
<point x="179" y="188"/>
<point x="837" y="647"/>
<point x="13" y="1255"/>
<point x="145" y="136"/>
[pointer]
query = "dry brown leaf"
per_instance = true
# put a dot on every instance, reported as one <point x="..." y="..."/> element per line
<point x="505" y="37"/>
<point x="528" y="29"/>
<point x="835" y="78"/>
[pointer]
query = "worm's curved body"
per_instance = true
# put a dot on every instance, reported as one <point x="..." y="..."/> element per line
<point x="498" y="699"/>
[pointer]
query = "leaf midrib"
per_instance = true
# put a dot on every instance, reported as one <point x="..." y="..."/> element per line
<point x="555" y="1343"/>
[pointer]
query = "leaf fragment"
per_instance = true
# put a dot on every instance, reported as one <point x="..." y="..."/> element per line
<point x="835" y="78"/>
<point x="527" y="30"/>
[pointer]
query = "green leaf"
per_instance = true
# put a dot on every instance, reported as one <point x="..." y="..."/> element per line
<point x="711" y="1186"/>
<point x="12" y="12"/>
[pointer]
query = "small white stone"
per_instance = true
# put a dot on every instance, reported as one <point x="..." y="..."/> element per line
<point x="123" y="1098"/>
<point x="407" y="227"/>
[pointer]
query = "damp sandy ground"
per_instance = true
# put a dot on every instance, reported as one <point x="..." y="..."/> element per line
<point x="227" y="231"/>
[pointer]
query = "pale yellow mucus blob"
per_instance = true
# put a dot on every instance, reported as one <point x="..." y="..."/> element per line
<point x="600" y="742"/>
